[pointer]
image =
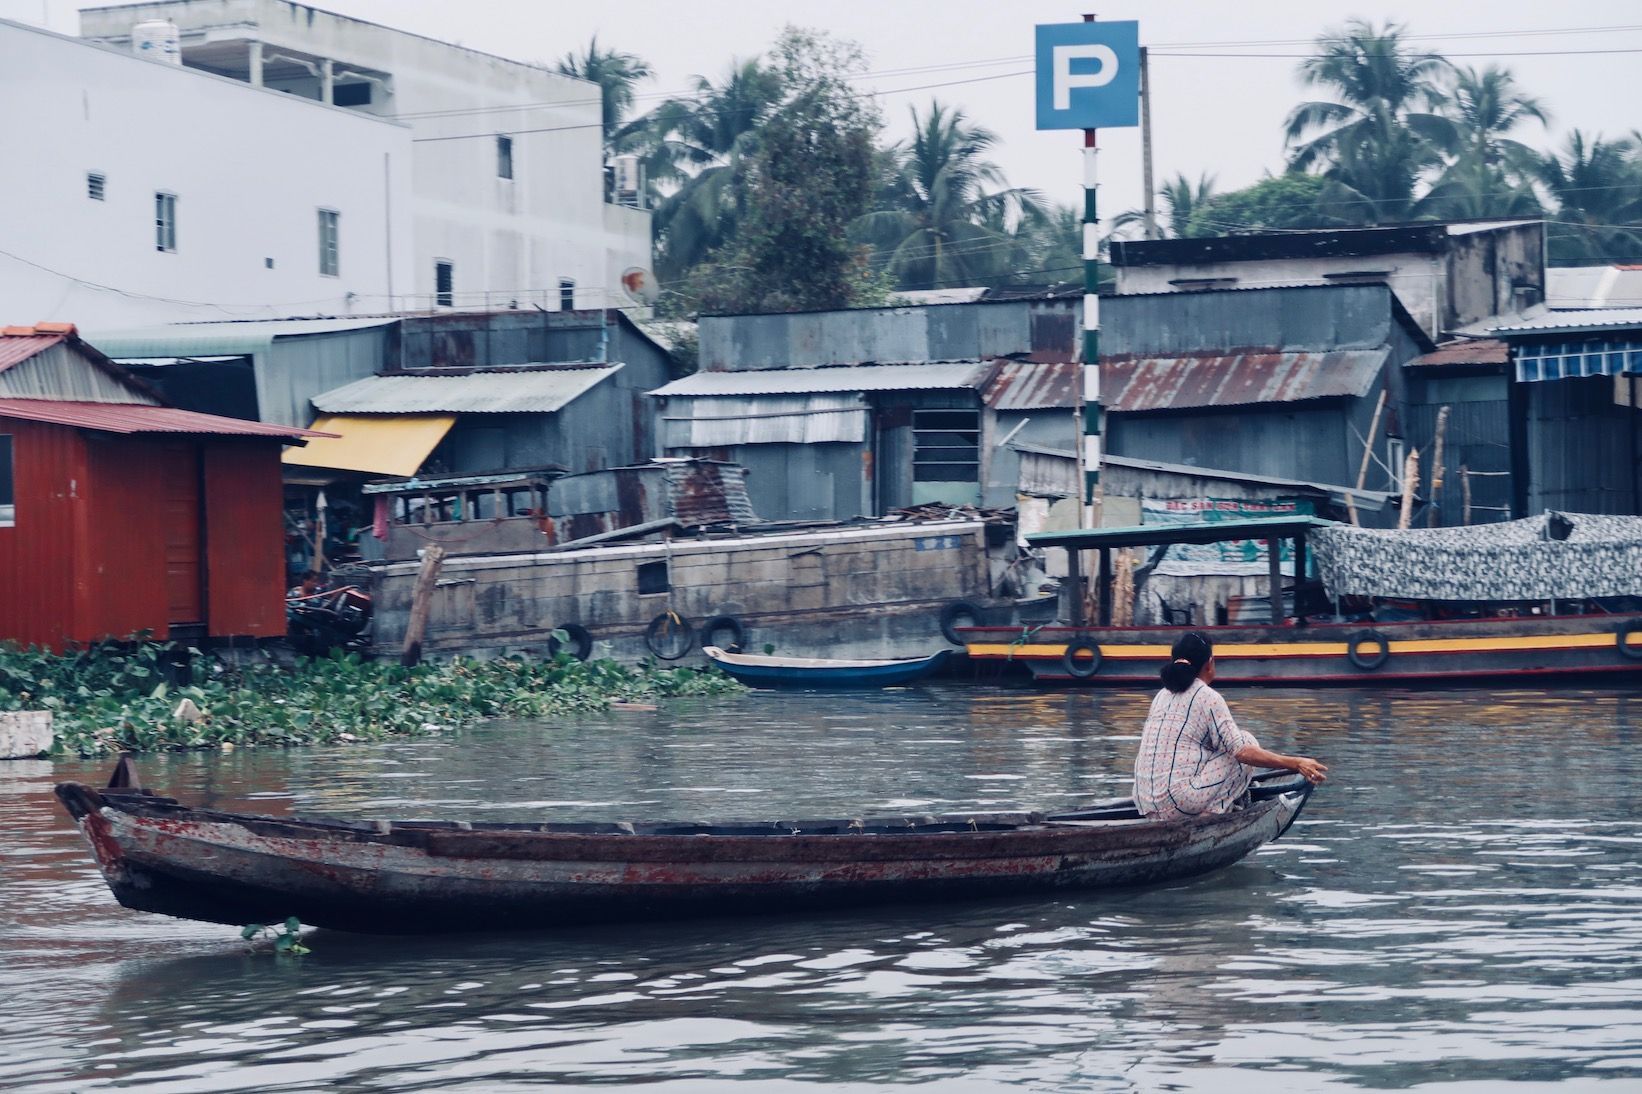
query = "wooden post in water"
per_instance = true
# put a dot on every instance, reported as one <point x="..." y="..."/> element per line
<point x="433" y="557"/>
<point x="1465" y="494"/>
<point x="1436" y="469"/>
<point x="1411" y="485"/>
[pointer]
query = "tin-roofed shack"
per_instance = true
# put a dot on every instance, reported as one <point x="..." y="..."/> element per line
<point x="119" y="514"/>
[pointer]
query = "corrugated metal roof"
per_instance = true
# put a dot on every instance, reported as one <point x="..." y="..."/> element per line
<point x="1467" y="351"/>
<point x="935" y="375"/>
<point x="703" y="492"/>
<point x="1557" y="322"/>
<point x="1241" y="379"/>
<point x="216" y="339"/>
<point x="728" y="421"/>
<point x="17" y="348"/>
<point x="1029" y="385"/>
<point x="136" y="418"/>
<point x="1594" y="286"/>
<point x="512" y="391"/>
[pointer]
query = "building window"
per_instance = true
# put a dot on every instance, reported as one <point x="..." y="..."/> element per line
<point x="95" y="184"/>
<point x="444" y="280"/>
<point x="504" y="157"/>
<point x="567" y="293"/>
<point x="946" y="446"/>
<point x="653" y="578"/>
<point x="165" y="222"/>
<point x="351" y="95"/>
<point x="329" y="263"/>
<point x="8" y="510"/>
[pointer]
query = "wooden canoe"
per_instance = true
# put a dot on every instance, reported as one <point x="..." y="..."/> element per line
<point x="158" y="855"/>
<point x="759" y="671"/>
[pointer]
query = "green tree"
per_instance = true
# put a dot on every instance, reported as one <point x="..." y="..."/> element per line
<point x="808" y="180"/>
<point x="937" y="223"/>
<point x="1382" y="132"/>
<point x="1274" y="203"/>
<point x="1597" y="185"/>
<point x="1181" y="198"/>
<point x="699" y="146"/>
<point x="1490" y="173"/>
<point x="616" y="73"/>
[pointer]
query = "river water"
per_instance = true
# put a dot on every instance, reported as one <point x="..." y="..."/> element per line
<point x="1460" y="908"/>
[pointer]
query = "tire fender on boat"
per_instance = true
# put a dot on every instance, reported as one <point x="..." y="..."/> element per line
<point x="580" y="642"/>
<point x="663" y="625"/>
<point x="1382" y="650"/>
<point x="1083" y="666"/>
<point x="737" y="633"/>
<point x="1622" y="638"/>
<point x="951" y="615"/>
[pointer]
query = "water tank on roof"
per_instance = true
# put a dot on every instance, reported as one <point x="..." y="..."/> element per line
<point x="157" y="40"/>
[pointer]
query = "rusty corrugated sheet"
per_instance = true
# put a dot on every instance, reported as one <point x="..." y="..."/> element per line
<point x="1031" y="385"/>
<point x="932" y="376"/>
<point x="1135" y="384"/>
<point x="135" y="418"/>
<point x="244" y="533"/>
<point x="702" y="492"/>
<point x="1469" y="351"/>
<point x="38" y="595"/>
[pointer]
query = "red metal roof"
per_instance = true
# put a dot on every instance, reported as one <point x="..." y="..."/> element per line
<point x="15" y="348"/>
<point x="1237" y="379"/>
<point x="137" y="418"/>
<point x="1034" y="385"/>
<point x="1469" y="351"/>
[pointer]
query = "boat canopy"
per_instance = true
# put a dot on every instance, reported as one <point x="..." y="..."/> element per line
<point x="1553" y="556"/>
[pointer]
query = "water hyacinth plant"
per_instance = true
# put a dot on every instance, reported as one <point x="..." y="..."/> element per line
<point x="115" y="697"/>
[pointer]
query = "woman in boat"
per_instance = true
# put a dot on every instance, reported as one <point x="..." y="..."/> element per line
<point x="1193" y="757"/>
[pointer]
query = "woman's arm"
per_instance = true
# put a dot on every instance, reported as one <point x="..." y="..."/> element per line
<point x="1255" y="756"/>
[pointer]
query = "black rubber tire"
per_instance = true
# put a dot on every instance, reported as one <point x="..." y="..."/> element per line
<point x="581" y="641"/>
<point x="954" y="611"/>
<point x="711" y="628"/>
<point x="1622" y="639"/>
<point x="663" y="623"/>
<point x="1368" y="664"/>
<point x="1082" y="668"/>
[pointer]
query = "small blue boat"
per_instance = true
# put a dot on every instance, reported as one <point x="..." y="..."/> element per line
<point x="822" y="672"/>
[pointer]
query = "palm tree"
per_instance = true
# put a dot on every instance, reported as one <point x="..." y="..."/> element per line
<point x="616" y="73"/>
<point x="1181" y="198"/>
<point x="1490" y="173"/>
<point x="699" y="146"/>
<point x="937" y="223"/>
<point x="1597" y="185"/>
<point x="1381" y="133"/>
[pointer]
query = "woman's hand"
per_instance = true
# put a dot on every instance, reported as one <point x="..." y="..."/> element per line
<point x="1313" y="771"/>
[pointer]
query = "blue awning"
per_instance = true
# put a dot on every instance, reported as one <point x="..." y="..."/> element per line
<point x="1572" y="360"/>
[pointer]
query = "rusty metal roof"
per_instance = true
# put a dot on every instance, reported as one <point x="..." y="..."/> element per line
<point x="1032" y="385"/>
<point x="1237" y="379"/>
<point x="1466" y="351"/>
<point x="138" y="418"/>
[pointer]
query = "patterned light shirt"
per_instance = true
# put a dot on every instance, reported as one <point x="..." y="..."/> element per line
<point x="1187" y="764"/>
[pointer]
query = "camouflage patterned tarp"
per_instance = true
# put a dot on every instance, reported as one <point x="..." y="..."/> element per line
<point x="1554" y="556"/>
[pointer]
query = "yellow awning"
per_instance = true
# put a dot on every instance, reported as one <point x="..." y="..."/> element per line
<point x="377" y="444"/>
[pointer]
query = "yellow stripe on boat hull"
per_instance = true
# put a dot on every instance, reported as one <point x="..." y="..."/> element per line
<point x="1229" y="650"/>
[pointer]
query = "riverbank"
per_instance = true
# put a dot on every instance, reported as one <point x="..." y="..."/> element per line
<point x="116" y="699"/>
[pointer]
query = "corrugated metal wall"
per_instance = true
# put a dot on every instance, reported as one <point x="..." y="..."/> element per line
<point x="1291" y="441"/>
<point x="1582" y="448"/>
<point x="62" y="373"/>
<point x="294" y="370"/>
<point x="1331" y="317"/>
<point x="121" y="556"/>
<point x="38" y="598"/>
<point x="1477" y="437"/>
<point x="244" y="531"/>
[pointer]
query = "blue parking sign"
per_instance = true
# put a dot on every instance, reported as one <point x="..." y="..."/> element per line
<point x="1088" y="75"/>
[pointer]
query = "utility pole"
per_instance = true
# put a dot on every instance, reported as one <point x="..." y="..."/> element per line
<point x="1092" y="410"/>
<point x="1146" y="146"/>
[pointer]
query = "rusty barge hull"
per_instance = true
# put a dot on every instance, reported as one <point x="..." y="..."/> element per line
<point x="413" y="877"/>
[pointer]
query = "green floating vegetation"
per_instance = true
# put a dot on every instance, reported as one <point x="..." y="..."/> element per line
<point x="114" y="697"/>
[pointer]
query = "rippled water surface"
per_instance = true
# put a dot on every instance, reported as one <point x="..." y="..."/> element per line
<point x="1460" y="908"/>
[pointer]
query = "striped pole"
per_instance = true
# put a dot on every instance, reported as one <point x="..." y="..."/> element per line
<point x="1092" y="410"/>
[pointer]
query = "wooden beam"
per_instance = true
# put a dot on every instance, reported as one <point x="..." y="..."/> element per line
<point x="433" y="557"/>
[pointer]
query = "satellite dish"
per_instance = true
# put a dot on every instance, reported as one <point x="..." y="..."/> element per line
<point x="640" y="285"/>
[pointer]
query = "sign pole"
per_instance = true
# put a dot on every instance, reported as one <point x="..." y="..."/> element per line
<point x="1091" y="328"/>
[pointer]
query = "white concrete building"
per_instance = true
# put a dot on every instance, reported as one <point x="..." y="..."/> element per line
<point x="508" y="184"/>
<point x="137" y="191"/>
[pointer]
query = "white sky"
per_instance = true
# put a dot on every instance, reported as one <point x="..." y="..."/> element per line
<point x="1221" y="115"/>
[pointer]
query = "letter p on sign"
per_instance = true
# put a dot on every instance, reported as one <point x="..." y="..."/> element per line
<point x="1088" y="75"/>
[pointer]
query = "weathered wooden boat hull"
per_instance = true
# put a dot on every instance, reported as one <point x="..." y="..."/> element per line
<point x="159" y="856"/>
<point x="804" y="672"/>
<point x="1461" y="650"/>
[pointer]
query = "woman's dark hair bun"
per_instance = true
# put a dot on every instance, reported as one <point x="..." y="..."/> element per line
<point x="1190" y="653"/>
